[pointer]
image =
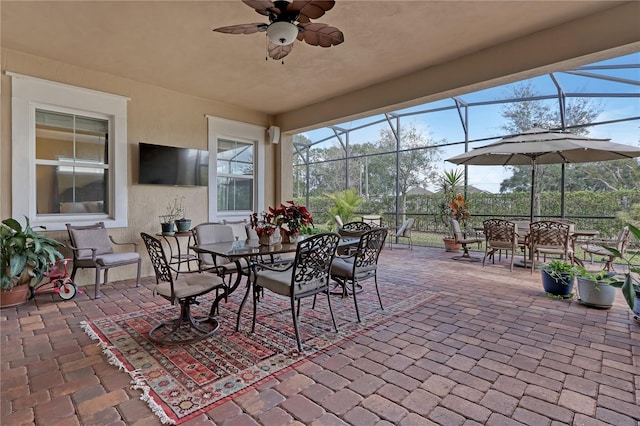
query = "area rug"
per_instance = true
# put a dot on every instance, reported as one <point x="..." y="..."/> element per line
<point x="181" y="382"/>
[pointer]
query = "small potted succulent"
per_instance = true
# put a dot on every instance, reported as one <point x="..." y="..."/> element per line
<point x="558" y="278"/>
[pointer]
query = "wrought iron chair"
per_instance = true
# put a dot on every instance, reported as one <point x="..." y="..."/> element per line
<point x="404" y="231"/>
<point x="183" y="292"/>
<point x="500" y="235"/>
<point x="308" y="275"/>
<point x="92" y="248"/>
<point x="549" y="237"/>
<point x="360" y="265"/>
<point x="597" y="247"/>
<point x="460" y="238"/>
<point x="208" y="233"/>
<point x="351" y="231"/>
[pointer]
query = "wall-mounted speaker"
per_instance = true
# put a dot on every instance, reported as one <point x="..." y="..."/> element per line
<point x="274" y="134"/>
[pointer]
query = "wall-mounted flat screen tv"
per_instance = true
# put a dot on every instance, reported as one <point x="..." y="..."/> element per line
<point x="170" y="165"/>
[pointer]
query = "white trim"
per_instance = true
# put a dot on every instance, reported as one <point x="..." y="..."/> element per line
<point x="222" y="128"/>
<point x="29" y="93"/>
<point x="65" y="86"/>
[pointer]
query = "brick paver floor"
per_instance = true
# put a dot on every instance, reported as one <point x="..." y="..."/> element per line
<point x="491" y="349"/>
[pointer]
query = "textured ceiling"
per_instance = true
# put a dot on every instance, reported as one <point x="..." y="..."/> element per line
<point x="172" y="45"/>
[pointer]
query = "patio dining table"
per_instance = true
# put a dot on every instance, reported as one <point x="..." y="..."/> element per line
<point x="251" y="251"/>
<point x="522" y="230"/>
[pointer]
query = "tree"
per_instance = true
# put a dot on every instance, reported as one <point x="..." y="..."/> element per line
<point x="372" y="165"/>
<point x="599" y="176"/>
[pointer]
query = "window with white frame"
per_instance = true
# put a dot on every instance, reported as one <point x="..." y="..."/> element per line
<point x="239" y="170"/>
<point x="72" y="147"/>
<point x="234" y="162"/>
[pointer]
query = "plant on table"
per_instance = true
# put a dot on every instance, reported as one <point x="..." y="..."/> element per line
<point x="292" y="217"/>
<point x="264" y="224"/>
<point x="26" y="254"/>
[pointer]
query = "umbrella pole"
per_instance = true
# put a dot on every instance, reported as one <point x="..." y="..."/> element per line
<point x="533" y="188"/>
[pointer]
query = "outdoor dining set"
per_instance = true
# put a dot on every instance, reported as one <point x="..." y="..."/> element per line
<point x="556" y="237"/>
<point x="228" y="254"/>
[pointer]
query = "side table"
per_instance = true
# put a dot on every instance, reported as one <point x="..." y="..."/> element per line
<point x="176" y="257"/>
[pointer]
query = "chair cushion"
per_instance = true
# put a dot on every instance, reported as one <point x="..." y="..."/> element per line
<point x="96" y="238"/>
<point x="501" y="244"/>
<point x="117" y="258"/>
<point x="239" y="229"/>
<point x="276" y="281"/>
<point x="342" y="267"/>
<point x="599" y="250"/>
<point x="400" y="231"/>
<point x="188" y="287"/>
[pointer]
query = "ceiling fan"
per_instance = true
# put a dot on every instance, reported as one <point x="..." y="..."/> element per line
<point x="289" y="21"/>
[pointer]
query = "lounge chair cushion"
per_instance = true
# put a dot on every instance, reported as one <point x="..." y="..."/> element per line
<point x="96" y="238"/>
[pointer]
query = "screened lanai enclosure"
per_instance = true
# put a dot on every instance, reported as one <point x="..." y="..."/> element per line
<point x="394" y="162"/>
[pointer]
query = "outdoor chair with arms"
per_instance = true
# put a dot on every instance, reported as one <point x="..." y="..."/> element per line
<point x="462" y="240"/>
<point x="351" y="231"/>
<point x="361" y="265"/>
<point x="597" y="247"/>
<point x="549" y="237"/>
<point x="92" y="248"/>
<point x="307" y="275"/>
<point x="500" y="235"/>
<point x="207" y="233"/>
<point x="183" y="292"/>
<point x="404" y="231"/>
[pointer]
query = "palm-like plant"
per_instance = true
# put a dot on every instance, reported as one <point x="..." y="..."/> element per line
<point x="345" y="204"/>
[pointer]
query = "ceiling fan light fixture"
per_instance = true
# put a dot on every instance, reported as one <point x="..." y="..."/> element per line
<point x="282" y="33"/>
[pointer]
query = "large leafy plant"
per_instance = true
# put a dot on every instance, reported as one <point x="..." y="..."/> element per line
<point x="631" y="283"/>
<point x="26" y="254"/>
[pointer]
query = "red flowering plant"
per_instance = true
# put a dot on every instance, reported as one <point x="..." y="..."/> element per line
<point x="292" y="217"/>
<point x="459" y="209"/>
<point x="264" y="224"/>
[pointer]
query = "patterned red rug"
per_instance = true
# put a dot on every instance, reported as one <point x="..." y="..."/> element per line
<point x="181" y="382"/>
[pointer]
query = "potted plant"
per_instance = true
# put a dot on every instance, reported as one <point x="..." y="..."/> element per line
<point x="345" y="204"/>
<point x="265" y="227"/>
<point x="450" y="183"/>
<point x="595" y="289"/>
<point x="291" y="218"/>
<point x="630" y="286"/>
<point x="558" y="278"/>
<point x="173" y="215"/>
<point x="26" y="256"/>
<point x="177" y="210"/>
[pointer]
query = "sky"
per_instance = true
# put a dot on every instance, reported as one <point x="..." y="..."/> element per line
<point x="485" y="121"/>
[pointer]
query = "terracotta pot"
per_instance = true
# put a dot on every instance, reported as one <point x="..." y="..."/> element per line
<point x="451" y="246"/>
<point x="14" y="297"/>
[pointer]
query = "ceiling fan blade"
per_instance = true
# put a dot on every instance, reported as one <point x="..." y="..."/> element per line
<point x="278" y="52"/>
<point x="243" y="28"/>
<point x="263" y="7"/>
<point x="320" y="35"/>
<point x="310" y="9"/>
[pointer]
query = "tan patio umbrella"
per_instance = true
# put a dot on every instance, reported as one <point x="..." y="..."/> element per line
<point x="543" y="146"/>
